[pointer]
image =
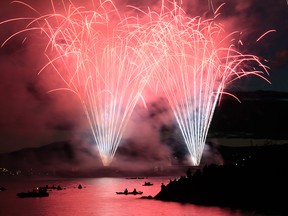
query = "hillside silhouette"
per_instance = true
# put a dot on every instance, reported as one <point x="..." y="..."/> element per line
<point x="252" y="178"/>
<point x="260" y="115"/>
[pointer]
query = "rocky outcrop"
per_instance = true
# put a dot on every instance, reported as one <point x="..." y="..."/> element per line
<point x="249" y="188"/>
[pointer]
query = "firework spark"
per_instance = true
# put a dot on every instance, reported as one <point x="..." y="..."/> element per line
<point x="96" y="55"/>
<point x="194" y="63"/>
<point x="107" y="60"/>
<point x="108" y="73"/>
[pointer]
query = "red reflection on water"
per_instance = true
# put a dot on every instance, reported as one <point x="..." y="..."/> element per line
<point x="98" y="198"/>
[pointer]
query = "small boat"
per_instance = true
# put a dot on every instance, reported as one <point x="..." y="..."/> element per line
<point x="53" y="187"/>
<point x="47" y="187"/>
<point x="147" y="184"/>
<point x="126" y="192"/>
<point x="38" y="192"/>
<point x="59" y="187"/>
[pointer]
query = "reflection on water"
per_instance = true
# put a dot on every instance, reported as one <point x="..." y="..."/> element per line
<point x="97" y="198"/>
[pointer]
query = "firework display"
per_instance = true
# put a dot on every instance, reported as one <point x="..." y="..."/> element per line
<point x="194" y="64"/>
<point x="107" y="60"/>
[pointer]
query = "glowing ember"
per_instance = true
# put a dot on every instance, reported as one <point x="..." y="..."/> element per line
<point x="107" y="61"/>
<point x="193" y="64"/>
<point x="98" y="60"/>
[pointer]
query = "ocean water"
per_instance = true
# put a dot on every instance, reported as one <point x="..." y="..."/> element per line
<point x="97" y="198"/>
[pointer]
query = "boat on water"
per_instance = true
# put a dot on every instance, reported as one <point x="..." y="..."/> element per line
<point x="53" y="187"/>
<point x="147" y="184"/>
<point x="38" y="192"/>
<point x="126" y="192"/>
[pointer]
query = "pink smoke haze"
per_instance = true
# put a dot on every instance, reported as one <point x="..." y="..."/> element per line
<point x="49" y="91"/>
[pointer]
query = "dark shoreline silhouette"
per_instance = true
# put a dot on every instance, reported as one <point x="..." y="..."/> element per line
<point x="258" y="184"/>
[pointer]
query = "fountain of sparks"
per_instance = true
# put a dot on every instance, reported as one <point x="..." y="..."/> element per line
<point x="96" y="55"/>
<point x="194" y="63"/>
<point x="107" y="61"/>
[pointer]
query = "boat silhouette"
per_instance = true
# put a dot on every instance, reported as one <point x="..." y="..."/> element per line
<point x="147" y="184"/>
<point x="38" y="192"/>
<point x="126" y="192"/>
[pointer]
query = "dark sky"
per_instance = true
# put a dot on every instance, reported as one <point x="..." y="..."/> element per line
<point x="31" y="117"/>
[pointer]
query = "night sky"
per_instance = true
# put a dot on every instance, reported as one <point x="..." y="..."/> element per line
<point x="30" y="117"/>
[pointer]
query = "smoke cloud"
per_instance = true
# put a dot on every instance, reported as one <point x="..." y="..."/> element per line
<point x="31" y="117"/>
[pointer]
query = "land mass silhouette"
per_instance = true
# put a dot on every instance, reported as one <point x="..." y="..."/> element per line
<point x="258" y="184"/>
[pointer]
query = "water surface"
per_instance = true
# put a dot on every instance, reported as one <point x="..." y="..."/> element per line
<point x="97" y="198"/>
